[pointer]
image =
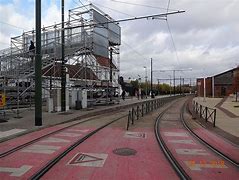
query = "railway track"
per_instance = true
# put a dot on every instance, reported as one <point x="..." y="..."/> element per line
<point x="183" y="168"/>
<point x="173" y="161"/>
<point x="17" y="148"/>
<point x="169" y="124"/>
<point x="46" y="164"/>
<point x="54" y="161"/>
<point x="229" y="159"/>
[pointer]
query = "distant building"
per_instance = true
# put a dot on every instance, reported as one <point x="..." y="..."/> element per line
<point x="219" y="85"/>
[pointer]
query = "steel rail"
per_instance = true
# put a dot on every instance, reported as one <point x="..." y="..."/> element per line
<point x="176" y="166"/>
<point x="203" y="141"/>
<point x="54" y="161"/>
<point x="8" y="152"/>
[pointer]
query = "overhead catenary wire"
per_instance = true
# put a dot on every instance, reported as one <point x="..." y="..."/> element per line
<point x="106" y="7"/>
<point x="168" y="5"/>
<point x="133" y="49"/>
<point x="114" y="10"/>
<point x="143" y="5"/>
<point x="141" y="55"/>
<point x="1" y="22"/>
<point x="174" y="46"/>
<point x="170" y="32"/>
<point x="83" y="5"/>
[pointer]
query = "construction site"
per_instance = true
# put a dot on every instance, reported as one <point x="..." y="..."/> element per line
<point x="91" y="57"/>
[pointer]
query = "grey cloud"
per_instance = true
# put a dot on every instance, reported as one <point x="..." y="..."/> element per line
<point x="205" y="36"/>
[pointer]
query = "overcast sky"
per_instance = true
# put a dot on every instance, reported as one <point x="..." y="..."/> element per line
<point x="205" y="36"/>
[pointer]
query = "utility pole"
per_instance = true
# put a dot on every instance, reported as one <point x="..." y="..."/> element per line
<point x="63" y="66"/>
<point x="151" y="85"/>
<point x="38" y="65"/>
<point x="174" y="82"/>
<point x="110" y="66"/>
<point x="146" y="81"/>
<point x="174" y="70"/>
<point x="158" y="87"/>
<point x="183" y="86"/>
<point x="111" y="57"/>
<point x="170" y="90"/>
<point x="180" y="86"/>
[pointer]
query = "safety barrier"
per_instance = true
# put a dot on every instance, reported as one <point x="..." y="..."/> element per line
<point x="146" y="107"/>
<point x="204" y="112"/>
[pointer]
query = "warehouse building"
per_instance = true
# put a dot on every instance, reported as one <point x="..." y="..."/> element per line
<point x="219" y="85"/>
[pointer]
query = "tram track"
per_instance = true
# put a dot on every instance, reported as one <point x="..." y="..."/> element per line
<point x="83" y="132"/>
<point x="232" y="161"/>
<point x="54" y="161"/>
<point x="178" y="165"/>
<point x="47" y="168"/>
<point x="17" y="148"/>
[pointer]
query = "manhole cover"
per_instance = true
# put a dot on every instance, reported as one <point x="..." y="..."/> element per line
<point x="125" y="151"/>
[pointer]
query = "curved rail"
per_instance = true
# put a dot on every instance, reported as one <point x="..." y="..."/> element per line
<point x="203" y="141"/>
<point x="6" y="153"/>
<point x="54" y="161"/>
<point x="179" y="170"/>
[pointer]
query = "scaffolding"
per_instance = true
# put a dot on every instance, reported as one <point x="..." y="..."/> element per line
<point x="92" y="53"/>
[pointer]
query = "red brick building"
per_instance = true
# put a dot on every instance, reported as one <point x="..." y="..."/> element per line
<point x="220" y="85"/>
<point x="200" y="86"/>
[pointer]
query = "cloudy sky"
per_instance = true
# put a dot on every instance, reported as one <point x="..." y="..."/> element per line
<point x="204" y="38"/>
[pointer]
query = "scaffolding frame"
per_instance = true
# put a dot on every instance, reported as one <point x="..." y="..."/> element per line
<point x="81" y="32"/>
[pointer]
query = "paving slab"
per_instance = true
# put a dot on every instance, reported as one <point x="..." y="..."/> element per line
<point x="223" y="120"/>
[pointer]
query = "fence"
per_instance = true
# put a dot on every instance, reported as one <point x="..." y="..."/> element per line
<point x="204" y="112"/>
<point x="146" y="107"/>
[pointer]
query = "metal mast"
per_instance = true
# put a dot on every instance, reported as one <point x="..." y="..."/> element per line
<point x="63" y="66"/>
<point x="38" y="65"/>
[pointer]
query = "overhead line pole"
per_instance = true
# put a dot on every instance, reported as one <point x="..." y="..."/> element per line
<point x="151" y="85"/>
<point x="38" y="65"/>
<point x="174" y="88"/>
<point x="63" y="66"/>
<point x="174" y="70"/>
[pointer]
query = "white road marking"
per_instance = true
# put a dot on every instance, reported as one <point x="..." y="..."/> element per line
<point x="55" y="140"/>
<point x="41" y="149"/>
<point x="17" y="172"/>
<point x="186" y="141"/>
<point x="10" y="132"/>
<point x="68" y="134"/>
<point x="182" y="134"/>
<point x="135" y="135"/>
<point x="192" y="151"/>
<point x="78" y="130"/>
<point x="88" y="159"/>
